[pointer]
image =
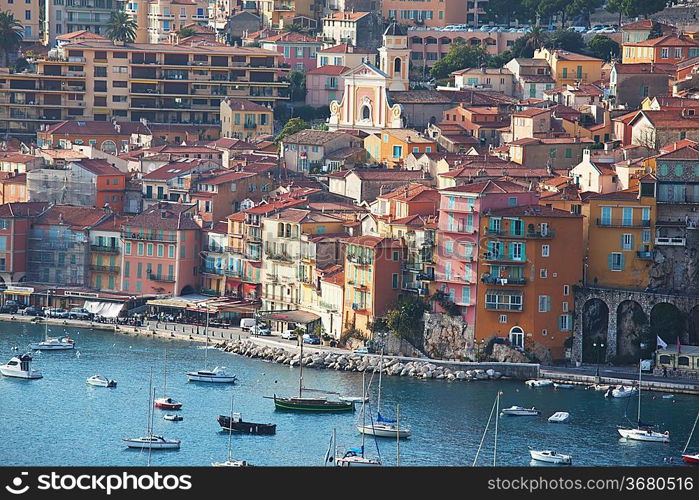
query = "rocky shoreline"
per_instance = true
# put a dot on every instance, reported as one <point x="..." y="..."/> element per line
<point x="356" y="362"/>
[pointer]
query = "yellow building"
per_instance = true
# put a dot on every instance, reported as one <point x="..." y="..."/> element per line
<point x="241" y="119"/>
<point x="569" y="67"/>
<point x="392" y="146"/>
<point x="27" y="13"/>
<point x="620" y="229"/>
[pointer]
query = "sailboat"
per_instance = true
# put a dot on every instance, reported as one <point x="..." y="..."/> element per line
<point x="301" y="403"/>
<point x="643" y="432"/>
<point x="494" y="410"/>
<point x="52" y="343"/>
<point x="355" y="457"/>
<point x="151" y="441"/>
<point x="383" y="427"/>
<point x="165" y="402"/>
<point x="230" y="462"/>
<point x="691" y="458"/>
<point x="218" y="374"/>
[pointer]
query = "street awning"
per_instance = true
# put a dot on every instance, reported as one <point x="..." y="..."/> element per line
<point x="16" y="292"/>
<point x="104" y="309"/>
<point x="301" y="317"/>
<point x="177" y="304"/>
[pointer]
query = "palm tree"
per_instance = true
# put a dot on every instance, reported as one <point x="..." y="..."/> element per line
<point x="11" y="35"/>
<point x="121" y="28"/>
<point x="295" y="28"/>
<point x="536" y="38"/>
<point x="186" y="32"/>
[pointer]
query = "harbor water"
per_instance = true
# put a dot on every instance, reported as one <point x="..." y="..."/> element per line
<point x="60" y="420"/>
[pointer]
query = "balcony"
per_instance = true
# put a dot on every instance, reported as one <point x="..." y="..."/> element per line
<point x="670" y="241"/>
<point x="644" y="255"/>
<point x="359" y="261"/>
<point x="105" y="249"/>
<point x="234" y="273"/>
<point x="211" y="270"/>
<point x="164" y="279"/>
<point x="359" y="307"/>
<point x="498" y="306"/>
<point x="250" y="126"/>
<point x="213" y="249"/>
<point x="425" y="277"/>
<point x="550" y="233"/>
<point x="331" y="86"/>
<point x="283" y="257"/>
<point x="492" y="280"/>
<point x="148" y="237"/>
<point x="499" y="257"/>
<point x="104" y="269"/>
<point x="622" y="223"/>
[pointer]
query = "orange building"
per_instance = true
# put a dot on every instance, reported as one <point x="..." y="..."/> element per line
<point x="525" y="293"/>
<point x="411" y="199"/>
<point x="666" y="49"/>
<point x="372" y="279"/>
<point x="103" y="135"/>
<point x="13" y="188"/>
<point x="15" y="223"/>
<point x="482" y="122"/>
<point x="161" y="251"/>
<point x="417" y="12"/>
<point x="110" y="184"/>
<point x="392" y="146"/>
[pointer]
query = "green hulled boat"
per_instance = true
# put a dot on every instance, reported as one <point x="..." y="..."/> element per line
<point x="301" y="403"/>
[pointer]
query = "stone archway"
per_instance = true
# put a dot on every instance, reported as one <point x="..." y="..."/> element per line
<point x="693" y="326"/>
<point x="633" y="339"/>
<point x="595" y="322"/>
<point x="668" y="323"/>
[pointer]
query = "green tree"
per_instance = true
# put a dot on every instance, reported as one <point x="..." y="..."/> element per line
<point x="536" y="39"/>
<point x="603" y="47"/>
<point x="460" y="56"/>
<point x="404" y="318"/>
<point x="297" y="86"/>
<point x="121" y="27"/>
<point x="295" y="28"/>
<point x="548" y="8"/>
<point x="655" y="31"/>
<point x="583" y="7"/>
<point x="186" y="32"/>
<point x="292" y="126"/>
<point x="497" y="10"/>
<point x="566" y="40"/>
<point x="11" y="35"/>
<point x="615" y="7"/>
<point x="634" y="8"/>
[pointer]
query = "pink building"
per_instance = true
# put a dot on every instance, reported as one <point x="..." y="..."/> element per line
<point x="161" y="251"/>
<point x="458" y="237"/>
<point x="299" y="50"/>
<point x="324" y="85"/>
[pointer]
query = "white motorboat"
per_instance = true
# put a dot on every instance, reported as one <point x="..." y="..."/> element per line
<point x="623" y="391"/>
<point x="389" y="429"/>
<point x="560" y="417"/>
<point x="353" y="399"/>
<point x="539" y="382"/>
<point x="152" y="442"/>
<point x="101" y="381"/>
<point x="53" y="344"/>
<point x="20" y="367"/>
<point x="354" y="458"/>
<point x="645" y="435"/>
<point x="231" y="463"/>
<point x="643" y="432"/>
<point x="551" y="457"/>
<point x="598" y="387"/>
<point x="520" y="411"/>
<point x="172" y="417"/>
<point x="218" y="374"/>
<point x="563" y="386"/>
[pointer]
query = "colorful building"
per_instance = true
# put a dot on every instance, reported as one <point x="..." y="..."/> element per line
<point x="241" y="119"/>
<point x="533" y="259"/>
<point x="392" y="146"/>
<point x="106" y="246"/>
<point x="15" y="225"/>
<point x="298" y="50"/>
<point x="161" y="251"/>
<point x="665" y="49"/>
<point x="569" y="67"/>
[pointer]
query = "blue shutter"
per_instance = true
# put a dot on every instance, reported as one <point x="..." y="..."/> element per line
<point x="610" y="258"/>
<point x="632" y="242"/>
<point x="510" y="253"/>
<point x="622" y="262"/>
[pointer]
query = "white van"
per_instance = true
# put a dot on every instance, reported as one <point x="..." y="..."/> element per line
<point x="247" y="324"/>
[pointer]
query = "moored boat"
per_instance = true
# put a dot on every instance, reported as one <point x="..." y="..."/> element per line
<point x="230" y="462"/>
<point x="691" y="458"/>
<point x="539" y="382"/>
<point x="551" y="457"/>
<point x="217" y="375"/>
<point x="563" y="386"/>
<point x="560" y="417"/>
<point x="20" y="367"/>
<point x="640" y="434"/>
<point x="167" y="404"/>
<point x="236" y="424"/>
<point x="384" y="427"/>
<point x="152" y="442"/>
<point x="621" y="391"/>
<point x="520" y="411"/>
<point x="312" y="404"/>
<point x="172" y="417"/>
<point x="53" y="344"/>
<point x="101" y="381"/>
<point x="354" y="457"/>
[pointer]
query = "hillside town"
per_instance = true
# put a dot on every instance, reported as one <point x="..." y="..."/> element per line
<point x="476" y="180"/>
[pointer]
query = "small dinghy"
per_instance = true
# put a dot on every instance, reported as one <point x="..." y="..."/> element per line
<point x="172" y="417"/>
<point x="539" y="382"/>
<point x="623" y="392"/>
<point x="551" y="457"/>
<point x="563" y="386"/>
<point x="101" y="381"/>
<point x="353" y="399"/>
<point x="668" y="396"/>
<point x="560" y="417"/>
<point x="519" y="411"/>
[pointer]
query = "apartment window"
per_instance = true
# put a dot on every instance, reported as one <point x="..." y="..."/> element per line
<point x="616" y="261"/>
<point x="27" y="15"/>
<point x="171" y="251"/>
<point x="565" y="307"/>
<point x="101" y="71"/>
<point x="544" y="303"/>
<point x="544" y="332"/>
<point x="127" y="268"/>
<point x="120" y="69"/>
<point x="512" y="202"/>
<point x="665" y="53"/>
<point x="627" y="216"/>
<point x="126" y="285"/>
<point x="149" y="249"/>
<point x="627" y="241"/>
<point x="449" y="248"/>
<point x="161" y="250"/>
<point x="503" y="318"/>
<point x="466" y="295"/>
<point x="100" y="85"/>
<point x="394" y="280"/>
<point x="566" y="290"/>
<point x="397" y="151"/>
<point x="140" y="249"/>
<point x="543" y="273"/>
<point x="119" y="84"/>
<point x="127" y="248"/>
<point x="139" y="270"/>
<point x="568" y="153"/>
<point x="564" y="322"/>
<point x="606" y="216"/>
<point x="645" y="236"/>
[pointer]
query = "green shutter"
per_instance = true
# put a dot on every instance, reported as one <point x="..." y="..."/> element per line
<point x="622" y="241"/>
<point x="622" y="261"/>
<point x="632" y="242"/>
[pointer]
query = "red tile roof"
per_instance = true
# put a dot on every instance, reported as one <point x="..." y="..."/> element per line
<point x="666" y="41"/>
<point x="346" y="48"/>
<point x="96" y="128"/>
<point x="490" y="186"/>
<point x="328" y="69"/>
<point x="644" y="24"/>
<point x="681" y="153"/>
<point x="174" y="169"/>
<point x="76" y="217"/>
<point x="244" y="105"/>
<point x="223" y="176"/>
<point x="82" y="35"/>
<point x="165" y="216"/>
<point x="373" y="241"/>
<point x="113" y="223"/>
<point x="28" y="209"/>
<point x="347" y="16"/>
<point x="99" y="167"/>
<point x="291" y="37"/>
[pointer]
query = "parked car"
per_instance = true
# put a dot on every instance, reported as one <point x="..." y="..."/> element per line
<point x="34" y="311"/>
<point x="57" y="312"/>
<point x="261" y="330"/>
<point x="578" y="29"/>
<point x="289" y="334"/>
<point x="79" y="313"/>
<point x="19" y="305"/>
<point x="8" y="309"/>
<point x="361" y="350"/>
<point x="310" y="339"/>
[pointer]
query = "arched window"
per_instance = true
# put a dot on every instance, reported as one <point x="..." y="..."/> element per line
<point x="517" y="337"/>
<point x="366" y="113"/>
<point x="397" y="66"/>
<point x="109" y="147"/>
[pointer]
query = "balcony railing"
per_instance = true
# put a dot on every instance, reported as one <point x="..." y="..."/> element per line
<point x="105" y="249"/>
<point x="149" y="237"/>
<point x="622" y="223"/>
<point x="493" y="306"/>
<point x="670" y="240"/>
<point x="211" y="270"/>
<point x="106" y="269"/>
<point x="501" y="257"/>
<point x="493" y="280"/>
<point x="644" y="255"/>
<point x="360" y="261"/>
<point x="250" y="125"/>
<point x="214" y="249"/>
<point x="528" y="234"/>
<point x="165" y="279"/>
<point x="278" y="256"/>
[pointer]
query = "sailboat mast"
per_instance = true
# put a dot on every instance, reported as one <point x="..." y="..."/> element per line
<point x="638" y="419"/>
<point x="230" y="431"/>
<point x="378" y="401"/>
<point x="165" y="381"/>
<point x="206" y="333"/>
<point x="397" y="435"/>
<point x="301" y="369"/>
<point x="497" y="419"/>
<point x="691" y="434"/>
<point x="363" y="409"/>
